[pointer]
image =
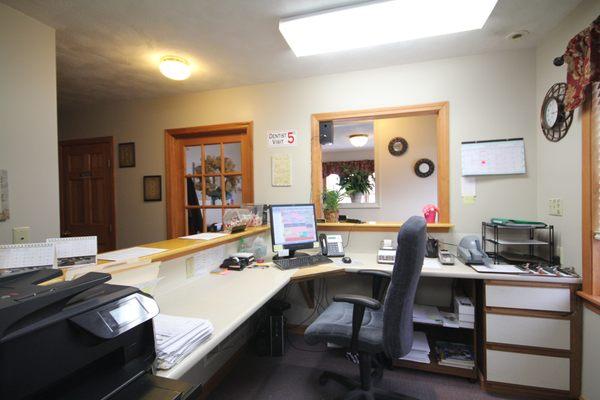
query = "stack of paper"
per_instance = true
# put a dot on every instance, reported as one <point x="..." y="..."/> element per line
<point x="420" y="349"/>
<point x="457" y="355"/>
<point x="177" y="337"/>
<point x="465" y="310"/>
<point x="427" y="315"/>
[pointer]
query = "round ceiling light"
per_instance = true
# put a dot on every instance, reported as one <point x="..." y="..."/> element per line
<point x="359" y="140"/>
<point x="175" y="68"/>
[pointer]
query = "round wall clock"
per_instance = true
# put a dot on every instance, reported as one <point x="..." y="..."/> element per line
<point x="398" y="146"/>
<point x="424" y="168"/>
<point x="554" y="120"/>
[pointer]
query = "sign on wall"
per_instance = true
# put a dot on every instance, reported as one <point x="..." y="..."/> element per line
<point x="282" y="138"/>
<point x="281" y="170"/>
<point x="4" y="213"/>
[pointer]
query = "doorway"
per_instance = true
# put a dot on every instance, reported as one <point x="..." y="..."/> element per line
<point x="209" y="169"/>
<point x="87" y="190"/>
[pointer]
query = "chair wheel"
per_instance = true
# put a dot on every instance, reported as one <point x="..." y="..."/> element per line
<point x="323" y="380"/>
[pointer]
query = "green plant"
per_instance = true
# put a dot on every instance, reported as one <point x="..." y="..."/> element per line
<point x="356" y="181"/>
<point x="332" y="199"/>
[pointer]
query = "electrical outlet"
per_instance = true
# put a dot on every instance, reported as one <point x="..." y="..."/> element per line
<point x="555" y="207"/>
<point x="21" y="234"/>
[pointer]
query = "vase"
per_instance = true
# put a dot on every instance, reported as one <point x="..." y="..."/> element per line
<point x="356" y="197"/>
<point x="331" y="216"/>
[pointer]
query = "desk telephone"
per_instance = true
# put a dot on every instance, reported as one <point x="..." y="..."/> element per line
<point x="331" y="245"/>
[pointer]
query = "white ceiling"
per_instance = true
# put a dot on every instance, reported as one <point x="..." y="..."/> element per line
<point x="341" y="135"/>
<point x="108" y="50"/>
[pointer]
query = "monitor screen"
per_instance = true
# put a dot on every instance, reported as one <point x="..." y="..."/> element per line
<point x="293" y="226"/>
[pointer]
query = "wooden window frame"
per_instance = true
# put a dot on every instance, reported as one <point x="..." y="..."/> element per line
<point x="441" y="110"/>
<point x="590" y="247"/>
<point x="175" y="193"/>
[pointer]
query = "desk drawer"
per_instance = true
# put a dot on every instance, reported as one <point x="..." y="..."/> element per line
<point x="528" y="369"/>
<point x="528" y="297"/>
<point x="529" y="331"/>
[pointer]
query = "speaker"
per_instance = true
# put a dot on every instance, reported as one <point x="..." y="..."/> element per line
<point x="326" y="132"/>
<point x="277" y="331"/>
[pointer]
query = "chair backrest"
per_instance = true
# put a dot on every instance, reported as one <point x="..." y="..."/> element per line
<point x="400" y="297"/>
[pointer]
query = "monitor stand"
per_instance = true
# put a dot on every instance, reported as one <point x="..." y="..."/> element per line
<point x="293" y="254"/>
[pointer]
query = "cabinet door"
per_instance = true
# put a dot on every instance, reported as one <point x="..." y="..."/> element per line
<point x="528" y="370"/>
<point x="528" y="298"/>
<point x="548" y="333"/>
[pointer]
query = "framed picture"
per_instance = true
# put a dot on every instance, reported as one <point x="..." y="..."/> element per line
<point x="152" y="188"/>
<point x="127" y="155"/>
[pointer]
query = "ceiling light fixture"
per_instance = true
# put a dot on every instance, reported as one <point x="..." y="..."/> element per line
<point x="359" y="140"/>
<point x="382" y="22"/>
<point x="175" y="68"/>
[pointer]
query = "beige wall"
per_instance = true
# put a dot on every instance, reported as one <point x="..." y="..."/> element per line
<point x="28" y="132"/>
<point x="559" y="166"/>
<point x="396" y="174"/>
<point x="491" y="96"/>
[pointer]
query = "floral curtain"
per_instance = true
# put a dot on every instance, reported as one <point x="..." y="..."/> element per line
<point x="583" y="58"/>
<point x="336" y="167"/>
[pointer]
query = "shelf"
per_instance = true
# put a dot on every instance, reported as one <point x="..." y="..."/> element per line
<point x="434" y="333"/>
<point x="529" y="242"/>
<point x="516" y="227"/>
<point x="378" y="226"/>
<point x="437" y="368"/>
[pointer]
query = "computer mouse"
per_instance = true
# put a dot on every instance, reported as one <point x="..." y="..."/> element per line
<point x="346" y="260"/>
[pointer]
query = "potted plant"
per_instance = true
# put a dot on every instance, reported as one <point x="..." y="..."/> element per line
<point x="331" y="205"/>
<point x="356" y="183"/>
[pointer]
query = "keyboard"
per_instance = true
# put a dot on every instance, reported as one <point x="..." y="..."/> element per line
<point x="303" y="261"/>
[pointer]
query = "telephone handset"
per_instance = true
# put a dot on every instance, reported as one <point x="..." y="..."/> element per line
<point x="331" y="245"/>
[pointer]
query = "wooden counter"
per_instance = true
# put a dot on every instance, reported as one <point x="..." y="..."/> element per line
<point x="378" y="227"/>
<point x="182" y="247"/>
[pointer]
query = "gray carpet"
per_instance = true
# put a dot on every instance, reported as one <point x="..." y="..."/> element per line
<point x="295" y="377"/>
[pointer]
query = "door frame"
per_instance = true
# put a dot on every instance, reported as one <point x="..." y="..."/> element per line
<point x="111" y="187"/>
<point x="174" y="196"/>
<point x="441" y="110"/>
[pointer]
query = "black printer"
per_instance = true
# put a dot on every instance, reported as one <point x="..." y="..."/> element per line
<point x="82" y="339"/>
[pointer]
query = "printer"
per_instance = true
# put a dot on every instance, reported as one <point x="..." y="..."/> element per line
<point x="83" y="339"/>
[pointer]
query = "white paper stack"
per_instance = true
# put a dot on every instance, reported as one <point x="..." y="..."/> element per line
<point x="427" y="315"/>
<point x="177" y="337"/>
<point x="465" y="310"/>
<point x="420" y="349"/>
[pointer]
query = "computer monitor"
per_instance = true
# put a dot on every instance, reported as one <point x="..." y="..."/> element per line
<point x="293" y="227"/>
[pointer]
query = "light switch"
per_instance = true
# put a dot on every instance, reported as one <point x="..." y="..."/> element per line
<point x="555" y="207"/>
<point x="21" y="234"/>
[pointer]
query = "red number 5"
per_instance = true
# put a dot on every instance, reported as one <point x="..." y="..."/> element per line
<point x="291" y="137"/>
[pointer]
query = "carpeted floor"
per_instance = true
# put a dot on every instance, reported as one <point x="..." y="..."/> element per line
<point x="295" y="377"/>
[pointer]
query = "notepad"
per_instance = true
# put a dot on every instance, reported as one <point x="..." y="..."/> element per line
<point x="75" y="251"/>
<point x="27" y="255"/>
<point x="130" y="253"/>
<point x="204" y="236"/>
<point x="497" y="269"/>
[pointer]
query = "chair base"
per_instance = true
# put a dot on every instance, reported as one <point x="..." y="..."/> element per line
<point x="356" y="393"/>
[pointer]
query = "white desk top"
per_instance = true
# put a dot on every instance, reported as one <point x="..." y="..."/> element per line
<point x="226" y="300"/>
<point x="433" y="268"/>
<point x="229" y="300"/>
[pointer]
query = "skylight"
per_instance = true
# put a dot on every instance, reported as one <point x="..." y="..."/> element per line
<point x="382" y="22"/>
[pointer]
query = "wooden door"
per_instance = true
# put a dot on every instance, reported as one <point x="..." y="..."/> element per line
<point x="87" y="195"/>
<point x="209" y="170"/>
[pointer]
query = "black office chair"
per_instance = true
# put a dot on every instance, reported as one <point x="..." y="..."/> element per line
<point x="360" y="323"/>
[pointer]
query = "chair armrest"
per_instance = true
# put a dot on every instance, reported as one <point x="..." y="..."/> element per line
<point x="358" y="312"/>
<point x="380" y="280"/>
<point x="358" y="300"/>
<point x="375" y="273"/>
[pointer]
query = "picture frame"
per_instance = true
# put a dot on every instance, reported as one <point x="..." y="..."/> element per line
<point x="152" y="188"/>
<point x="127" y="155"/>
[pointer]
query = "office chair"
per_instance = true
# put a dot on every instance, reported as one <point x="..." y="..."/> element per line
<point x="366" y="327"/>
